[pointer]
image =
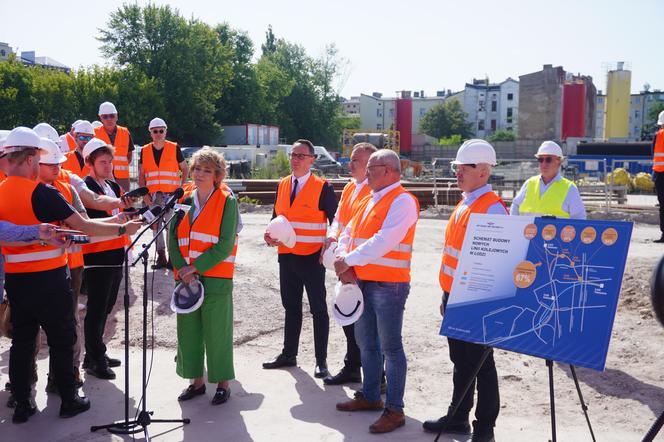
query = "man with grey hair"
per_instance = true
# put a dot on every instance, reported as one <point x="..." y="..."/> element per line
<point x="378" y="244"/>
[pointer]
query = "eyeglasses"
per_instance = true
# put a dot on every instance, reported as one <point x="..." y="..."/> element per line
<point x="300" y="156"/>
<point x="107" y="116"/>
<point x="84" y="137"/>
<point x="456" y="167"/>
<point x="545" y="159"/>
<point x="157" y="131"/>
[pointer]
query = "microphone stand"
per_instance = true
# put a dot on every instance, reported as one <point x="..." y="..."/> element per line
<point x="144" y="419"/>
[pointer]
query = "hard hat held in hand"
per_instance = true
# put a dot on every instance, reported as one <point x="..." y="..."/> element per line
<point x="330" y="255"/>
<point x="550" y="148"/>
<point x="281" y="230"/>
<point x="50" y="153"/>
<point x="348" y="303"/>
<point x="187" y="297"/>
<point x="475" y="151"/>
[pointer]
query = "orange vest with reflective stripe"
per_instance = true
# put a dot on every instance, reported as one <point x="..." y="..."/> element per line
<point x="347" y="208"/>
<point x="658" y="154"/>
<point x="105" y="243"/>
<point x="74" y="253"/>
<point x="33" y="257"/>
<point x="71" y="142"/>
<point x="74" y="166"/>
<point x="194" y="239"/>
<point x="394" y="266"/>
<point x="120" y="159"/>
<point x="166" y="176"/>
<point x="308" y="221"/>
<point x="454" y="233"/>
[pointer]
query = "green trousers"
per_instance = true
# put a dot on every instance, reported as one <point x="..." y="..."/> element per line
<point x="208" y="331"/>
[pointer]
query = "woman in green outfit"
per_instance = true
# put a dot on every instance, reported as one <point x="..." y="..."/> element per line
<point x="202" y="245"/>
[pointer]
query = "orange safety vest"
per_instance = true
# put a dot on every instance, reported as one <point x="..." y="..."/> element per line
<point x="658" y="154"/>
<point x="71" y="142"/>
<point x="74" y="166"/>
<point x="195" y="238"/>
<point x="166" y="176"/>
<point x="308" y="221"/>
<point x="454" y="233"/>
<point x="33" y="257"/>
<point x="348" y="208"/>
<point x="394" y="266"/>
<point x="105" y="243"/>
<point x="120" y="158"/>
<point x="2" y="176"/>
<point x="74" y="253"/>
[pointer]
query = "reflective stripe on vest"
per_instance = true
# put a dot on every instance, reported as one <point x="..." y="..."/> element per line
<point x="308" y="221"/>
<point x="550" y="203"/>
<point x="394" y="266"/>
<point x="120" y="159"/>
<point x="166" y="176"/>
<point x="658" y="152"/>
<point x="348" y="205"/>
<point x="454" y="233"/>
<point x="30" y="257"/>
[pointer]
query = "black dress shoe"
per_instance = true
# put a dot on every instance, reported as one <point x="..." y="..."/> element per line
<point x="221" y="396"/>
<point x="23" y="411"/>
<point x="344" y="376"/>
<point x="280" y="361"/>
<point x="191" y="392"/>
<point x="76" y="405"/>
<point x="458" y="427"/>
<point x="112" y="362"/>
<point x="100" y="371"/>
<point x="321" y="371"/>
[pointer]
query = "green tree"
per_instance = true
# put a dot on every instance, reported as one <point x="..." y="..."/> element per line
<point x="649" y="129"/>
<point x="270" y="45"/>
<point x="444" y="120"/>
<point x="502" y="135"/>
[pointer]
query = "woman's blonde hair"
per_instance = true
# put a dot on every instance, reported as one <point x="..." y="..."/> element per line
<point x="208" y="157"/>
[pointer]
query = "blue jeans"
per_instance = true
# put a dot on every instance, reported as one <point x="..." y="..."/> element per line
<point x="378" y="332"/>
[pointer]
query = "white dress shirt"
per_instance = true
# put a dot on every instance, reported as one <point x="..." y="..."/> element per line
<point x="400" y="217"/>
<point x="573" y="203"/>
<point x="333" y="230"/>
<point x="300" y="182"/>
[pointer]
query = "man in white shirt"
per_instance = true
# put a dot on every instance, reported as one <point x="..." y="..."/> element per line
<point x="379" y="241"/>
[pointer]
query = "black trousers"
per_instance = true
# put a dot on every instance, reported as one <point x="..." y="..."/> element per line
<point x="296" y="273"/>
<point x="41" y="299"/>
<point x="102" y="284"/>
<point x="466" y="356"/>
<point x="659" y="186"/>
<point x="352" y="360"/>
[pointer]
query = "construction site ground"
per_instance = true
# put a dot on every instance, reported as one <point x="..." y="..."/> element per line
<point x="290" y="404"/>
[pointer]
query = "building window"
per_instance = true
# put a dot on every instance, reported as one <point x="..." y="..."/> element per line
<point x="636" y="114"/>
<point x="510" y="96"/>
<point x="509" y="119"/>
<point x="508" y="128"/>
<point x="481" y="106"/>
<point x="493" y="125"/>
<point x="494" y="106"/>
<point x="391" y="113"/>
<point x="480" y="125"/>
<point x="510" y="111"/>
<point x="379" y="126"/>
<point x="422" y="111"/>
<point x="379" y="113"/>
<point x="2" y="52"/>
<point x="637" y="99"/>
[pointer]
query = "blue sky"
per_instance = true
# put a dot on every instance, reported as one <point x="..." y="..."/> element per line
<point x="394" y="45"/>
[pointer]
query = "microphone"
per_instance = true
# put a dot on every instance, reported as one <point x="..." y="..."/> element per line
<point x="136" y="193"/>
<point x="177" y="194"/>
<point x="151" y="214"/>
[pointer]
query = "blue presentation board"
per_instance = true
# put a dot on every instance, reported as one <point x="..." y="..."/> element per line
<point x="551" y="292"/>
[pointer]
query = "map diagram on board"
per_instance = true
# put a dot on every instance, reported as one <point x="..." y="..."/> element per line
<point x="566" y="294"/>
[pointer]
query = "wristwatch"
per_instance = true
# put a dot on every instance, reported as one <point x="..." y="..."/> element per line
<point x="122" y="230"/>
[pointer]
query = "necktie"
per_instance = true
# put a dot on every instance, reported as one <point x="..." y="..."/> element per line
<point x="293" y="193"/>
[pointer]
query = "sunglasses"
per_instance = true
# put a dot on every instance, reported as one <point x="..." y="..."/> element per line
<point x="545" y="159"/>
<point x="107" y="116"/>
<point x="300" y="156"/>
<point x="84" y="137"/>
<point x="456" y="167"/>
<point x="157" y="131"/>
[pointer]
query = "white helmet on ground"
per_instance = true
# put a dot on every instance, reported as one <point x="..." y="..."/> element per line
<point x="348" y="303"/>
<point x="475" y="151"/>
<point x="550" y="148"/>
<point x="51" y="153"/>
<point x="280" y="229"/>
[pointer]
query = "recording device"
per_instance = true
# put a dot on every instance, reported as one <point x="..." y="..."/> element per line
<point x="147" y="215"/>
<point x="78" y="239"/>
<point x="136" y="193"/>
<point x="181" y="210"/>
<point x="177" y="194"/>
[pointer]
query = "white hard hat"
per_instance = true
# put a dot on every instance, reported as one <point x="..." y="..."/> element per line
<point x="45" y="130"/>
<point x="187" y="297"/>
<point x="84" y="127"/>
<point x="475" y="151"/>
<point x="21" y="138"/>
<point x="550" y="148"/>
<point x="96" y="124"/>
<point x="93" y="145"/>
<point x="73" y="125"/>
<point x="51" y="153"/>
<point x="280" y="229"/>
<point x="348" y="303"/>
<point x="330" y="255"/>
<point x="156" y="122"/>
<point x="660" y="118"/>
<point x="3" y="137"/>
<point x="107" y="108"/>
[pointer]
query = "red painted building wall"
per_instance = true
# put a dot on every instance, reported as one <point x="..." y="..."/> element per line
<point x="574" y="110"/>
<point x="404" y="123"/>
